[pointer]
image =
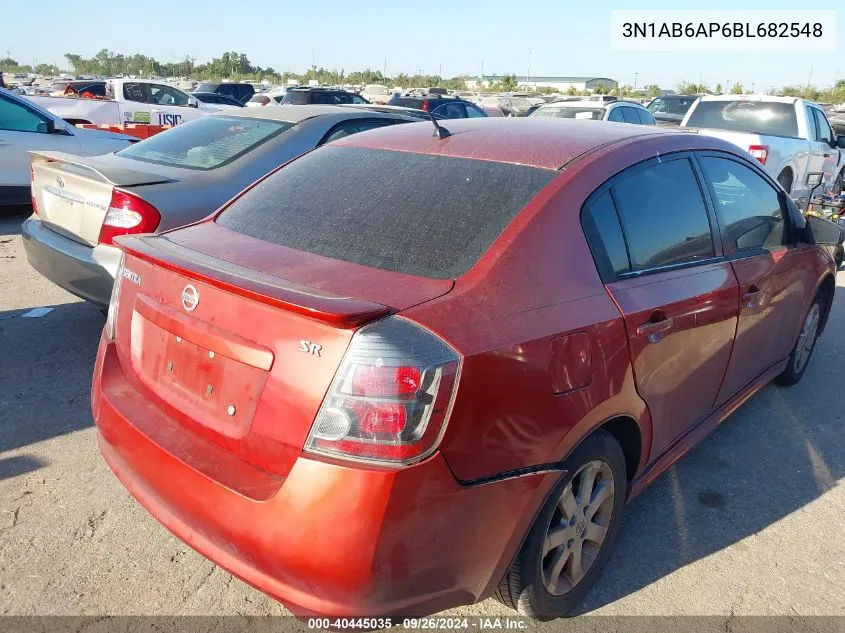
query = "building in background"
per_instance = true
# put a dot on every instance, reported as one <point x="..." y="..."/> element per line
<point x="561" y="84"/>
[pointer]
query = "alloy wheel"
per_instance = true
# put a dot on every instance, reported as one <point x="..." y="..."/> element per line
<point x="578" y="527"/>
<point x="807" y="338"/>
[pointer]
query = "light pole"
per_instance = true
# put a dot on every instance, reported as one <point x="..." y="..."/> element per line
<point x="635" y="80"/>
<point x="528" y="76"/>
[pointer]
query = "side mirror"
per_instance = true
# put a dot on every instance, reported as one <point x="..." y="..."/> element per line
<point x="59" y="127"/>
<point x="193" y="103"/>
<point x="821" y="231"/>
<point x="814" y="179"/>
<point x="840" y="141"/>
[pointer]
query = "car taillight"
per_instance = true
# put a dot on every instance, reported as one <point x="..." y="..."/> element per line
<point x="391" y="397"/>
<point x="760" y="152"/>
<point x="425" y="106"/>
<point x="111" y="316"/>
<point x="127" y="214"/>
<point x="32" y="189"/>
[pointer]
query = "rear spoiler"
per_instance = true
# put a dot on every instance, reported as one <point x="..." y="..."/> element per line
<point x="344" y="312"/>
<point x="115" y="176"/>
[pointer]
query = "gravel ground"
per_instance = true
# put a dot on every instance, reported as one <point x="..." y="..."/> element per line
<point x="751" y="522"/>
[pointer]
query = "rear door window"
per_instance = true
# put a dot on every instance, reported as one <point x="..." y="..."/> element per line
<point x="748" y="206"/>
<point x="825" y="134"/>
<point x="205" y="143"/>
<point x="629" y="115"/>
<point x="663" y="215"/>
<point x="451" y="111"/>
<point x="133" y="91"/>
<point x="645" y="116"/>
<point x="616" y="115"/>
<point x="353" y="127"/>
<point x="371" y="207"/>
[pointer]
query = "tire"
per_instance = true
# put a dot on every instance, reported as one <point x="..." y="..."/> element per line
<point x="799" y="357"/>
<point x="529" y="586"/>
<point x="839" y="183"/>
<point x="785" y="180"/>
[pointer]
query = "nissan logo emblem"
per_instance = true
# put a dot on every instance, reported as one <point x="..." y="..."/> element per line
<point x="190" y="298"/>
<point x="61" y="182"/>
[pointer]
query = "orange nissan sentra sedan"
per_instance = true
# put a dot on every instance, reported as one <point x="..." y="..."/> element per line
<point x="409" y="371"/>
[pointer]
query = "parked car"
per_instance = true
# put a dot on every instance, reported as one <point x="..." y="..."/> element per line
<point x="166" y="181"/>
<point x="602" y="98"/>
<point x="26" y="127"/>
<point x="490" y="104"/>
<point x="669" y="110"/>
<point x="320" y="96"/>
<point x="395" y="388"/>
<point x="791" y="137"/>
<point x="215" y="98"/>
<point x="515" y="106"/>
<point x="617" y="111"/>
<point x="420" y="115"/>
<point x="237" y="91"/>
<point x="376" y="93"/>
<point x="133" y="101"/>
<point x="443" y="106"/>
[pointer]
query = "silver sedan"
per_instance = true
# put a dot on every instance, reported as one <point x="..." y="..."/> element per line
<point x="169" y="180"/>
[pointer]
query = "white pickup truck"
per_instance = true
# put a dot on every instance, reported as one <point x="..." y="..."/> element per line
<point x="133" y="101"/>
<point x="791" y="137"/>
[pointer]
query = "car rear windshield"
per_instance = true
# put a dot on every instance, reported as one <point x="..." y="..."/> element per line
<point x="205" y="143"/>
<point x="407" y="102"/>
<point x="569" y="113"/>
<point x="419" y="214"/>
<point x="296" y="97"/>
<point x="206" y="87"/>
<point x="755" y="117"/>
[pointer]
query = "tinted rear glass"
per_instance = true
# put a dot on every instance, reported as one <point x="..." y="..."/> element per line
<point x="295" y="97"/>
<point x="760" y="117"/>
<point x="407" y="102"/>
<point x="431" y="216"/>
<point x="205" y="143"/>
<point x="595" y="114"/>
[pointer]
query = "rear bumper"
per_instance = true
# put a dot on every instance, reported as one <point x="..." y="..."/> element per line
<point x="327" y="539"/>
<point x="80" y="269"/>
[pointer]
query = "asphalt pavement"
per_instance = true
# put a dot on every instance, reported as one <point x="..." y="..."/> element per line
<point x="751" y="522"/>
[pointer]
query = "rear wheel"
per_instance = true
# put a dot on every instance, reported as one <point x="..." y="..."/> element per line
<point x="839" y="183"/>
<point x="570" y="539"/>
<point x="804" y="346"/>
<point x="785" y="180"/>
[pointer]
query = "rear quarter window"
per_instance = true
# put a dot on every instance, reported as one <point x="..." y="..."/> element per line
<point x="424" y="215"/>
<point x="205" y="143"/>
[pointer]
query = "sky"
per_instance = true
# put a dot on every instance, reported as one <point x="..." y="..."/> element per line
<point x="565" y="38"/>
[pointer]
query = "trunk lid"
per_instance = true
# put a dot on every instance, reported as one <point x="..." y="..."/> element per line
<point x="73" y="193"/>
<point x="240" y="356"/>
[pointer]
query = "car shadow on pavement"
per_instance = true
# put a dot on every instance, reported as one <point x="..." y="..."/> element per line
<point x="11" y="219"/>
<point x="783" y="449"/>
<point x="45" y="373"/>
<point x="19" y="465"/>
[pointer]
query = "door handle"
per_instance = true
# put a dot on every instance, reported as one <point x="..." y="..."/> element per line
<point x="751" y="298"/>
<point x="826" y="155"/>
<point x="656" y="328"/>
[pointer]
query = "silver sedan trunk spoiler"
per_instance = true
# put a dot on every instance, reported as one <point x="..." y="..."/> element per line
<point x="115" y="176"/>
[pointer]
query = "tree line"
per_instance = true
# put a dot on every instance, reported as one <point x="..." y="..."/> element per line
<point x="237" y="66"/>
